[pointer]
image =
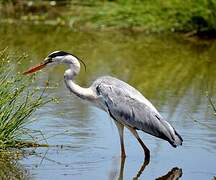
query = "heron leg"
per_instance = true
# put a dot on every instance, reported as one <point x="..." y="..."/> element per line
<point x="121" y="173"/>
<point x="121" y="135"/>
<point x="146" y="150"/>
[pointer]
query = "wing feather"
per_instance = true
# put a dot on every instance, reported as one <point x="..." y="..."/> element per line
<point x="127" y="105"/>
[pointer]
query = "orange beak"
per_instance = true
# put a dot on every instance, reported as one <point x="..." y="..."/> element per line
<point x="35" y="68"/>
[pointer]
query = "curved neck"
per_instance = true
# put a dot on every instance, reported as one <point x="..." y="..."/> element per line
<point x="84" y="93"/>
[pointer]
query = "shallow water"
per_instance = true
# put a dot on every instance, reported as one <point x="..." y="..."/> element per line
<point x="172" y="72"/>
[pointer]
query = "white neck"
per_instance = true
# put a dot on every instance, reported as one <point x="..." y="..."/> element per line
<point x="84" y="93"/>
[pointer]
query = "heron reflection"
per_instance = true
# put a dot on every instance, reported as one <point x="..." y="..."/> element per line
<point x="174" y="174"/>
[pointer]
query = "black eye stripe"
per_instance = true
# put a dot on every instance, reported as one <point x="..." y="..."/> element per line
<point x="59" y="53"/>
<point x="63" y="53"/>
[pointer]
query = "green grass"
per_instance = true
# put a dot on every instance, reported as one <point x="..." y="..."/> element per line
<point x="194" y="16"/>
<point x="17" y="103"/>
<point x="154" y="16"/>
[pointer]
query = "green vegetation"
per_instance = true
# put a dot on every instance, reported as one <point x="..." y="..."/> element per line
<point x="11" y="168"/>
<point x="17" y="103"/>
<point x="192" y="16"/>
<point x="197" y="16"/>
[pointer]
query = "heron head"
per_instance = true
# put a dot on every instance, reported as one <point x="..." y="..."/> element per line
<point x="57" y="57"/>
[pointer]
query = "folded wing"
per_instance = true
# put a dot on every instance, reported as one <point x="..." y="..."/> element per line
<point x="127" y="105"/>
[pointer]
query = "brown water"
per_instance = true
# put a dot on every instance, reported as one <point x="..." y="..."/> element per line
<point x="172" y="72"/>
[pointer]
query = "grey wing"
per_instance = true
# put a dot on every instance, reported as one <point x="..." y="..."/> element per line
<point x="123" y="105"/>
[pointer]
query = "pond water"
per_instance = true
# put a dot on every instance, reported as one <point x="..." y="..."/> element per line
<point x="174" y="73"/>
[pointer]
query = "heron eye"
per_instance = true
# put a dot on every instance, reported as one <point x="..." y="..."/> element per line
<point x="48" y="60"/>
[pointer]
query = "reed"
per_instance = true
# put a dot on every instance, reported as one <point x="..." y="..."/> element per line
<point x="18" y="101"/>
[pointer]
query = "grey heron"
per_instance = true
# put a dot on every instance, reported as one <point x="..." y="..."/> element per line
<point x="126" y="105"/>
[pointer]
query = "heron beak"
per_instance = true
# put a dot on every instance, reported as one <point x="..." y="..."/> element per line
<point x="35" y="68"/>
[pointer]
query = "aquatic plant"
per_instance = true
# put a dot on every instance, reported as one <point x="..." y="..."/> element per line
<point x="12" y="169"/>
<point x="17" y="103"/>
